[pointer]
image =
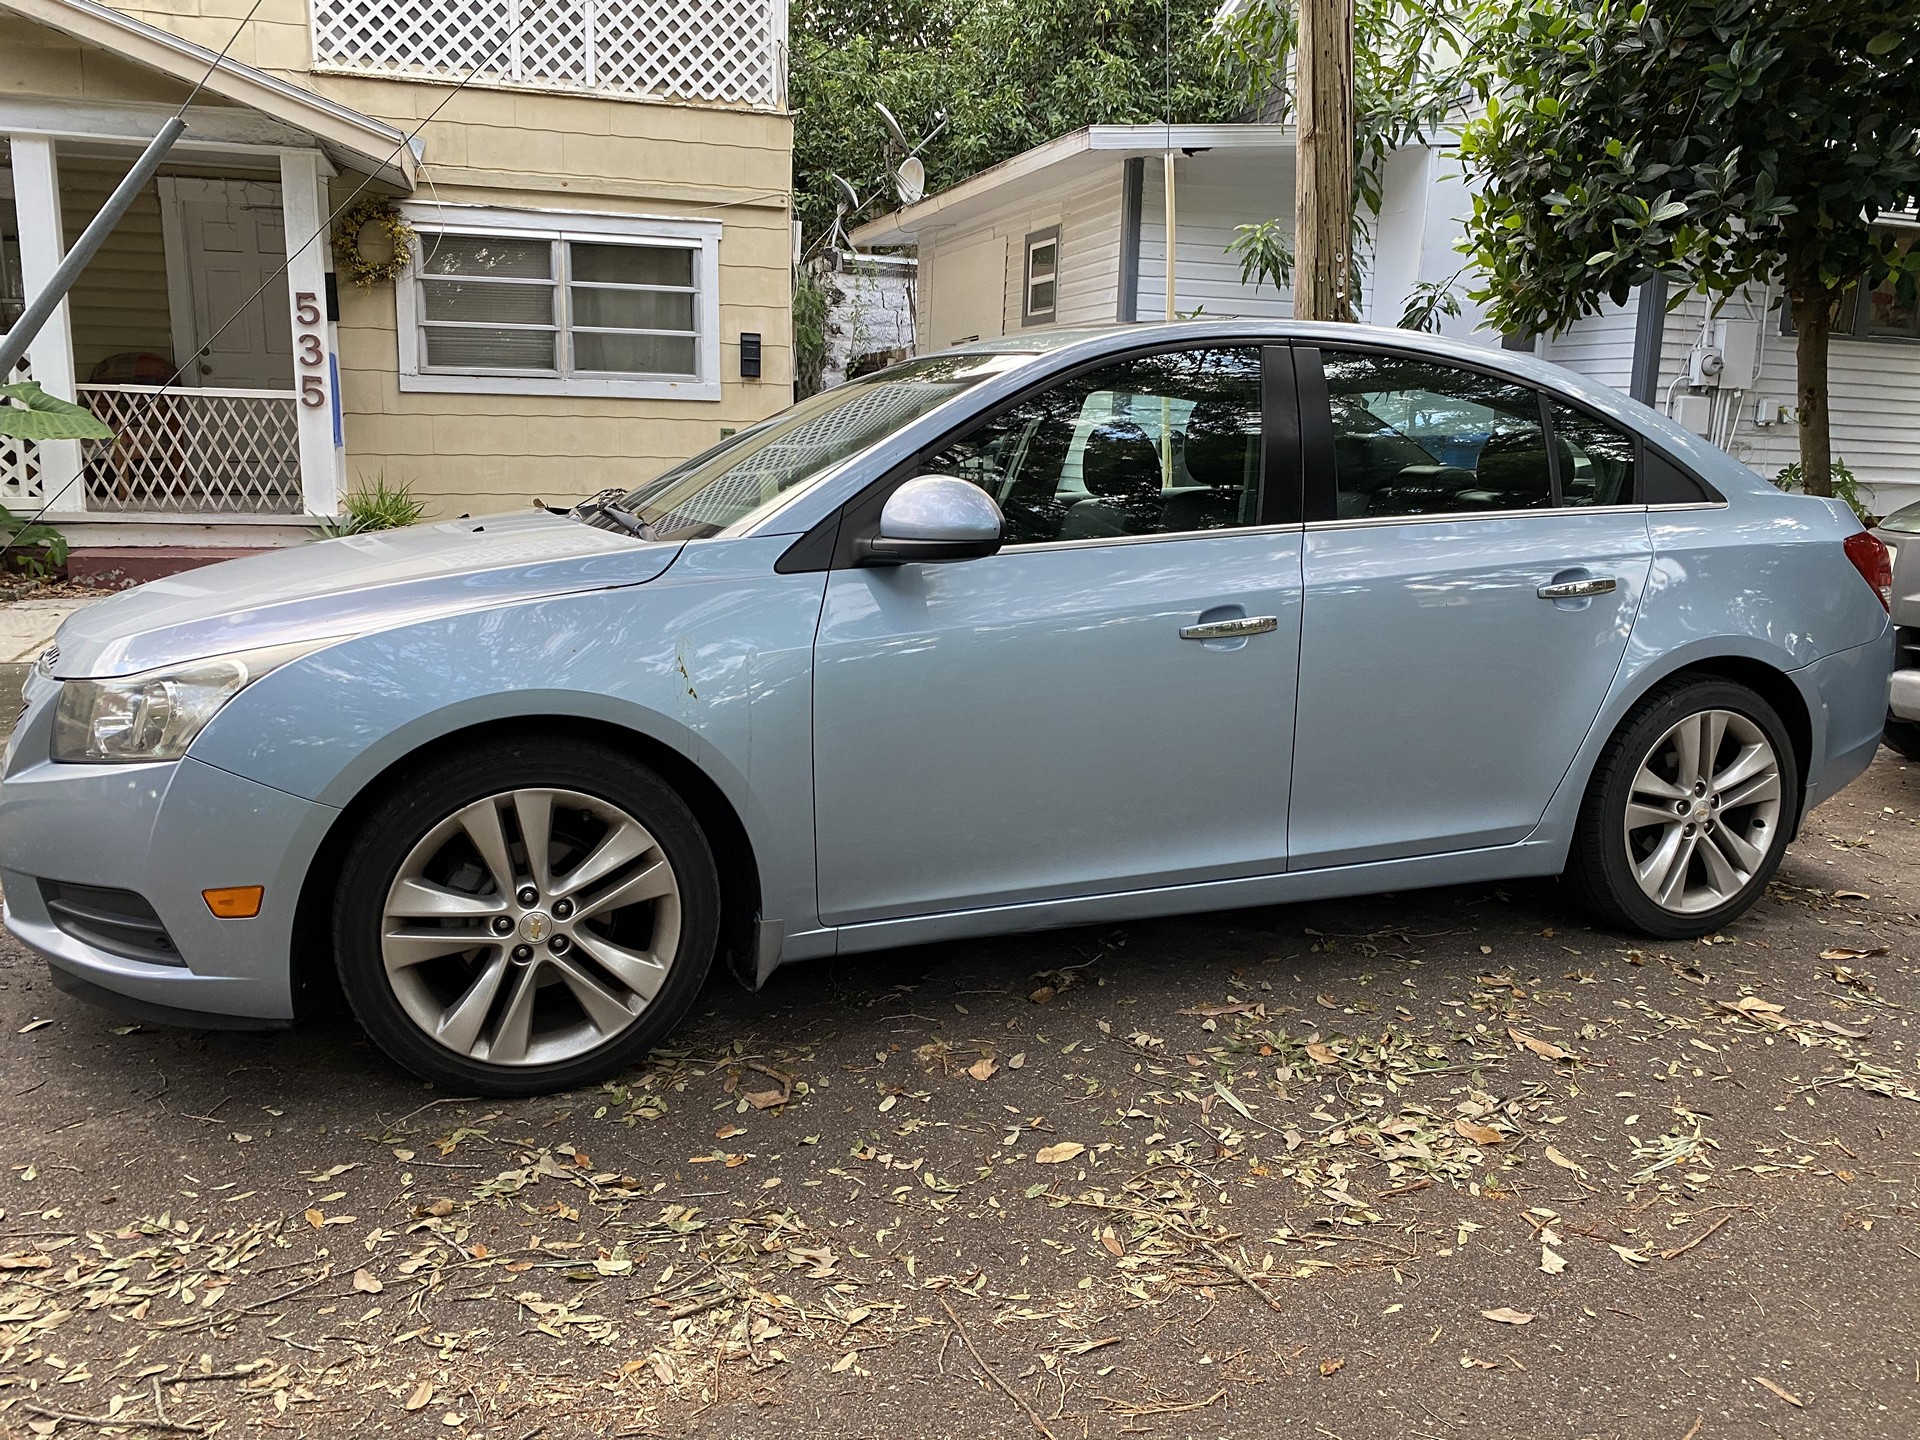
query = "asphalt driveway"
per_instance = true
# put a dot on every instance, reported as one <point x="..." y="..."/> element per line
<point x="1449" y="1163"/>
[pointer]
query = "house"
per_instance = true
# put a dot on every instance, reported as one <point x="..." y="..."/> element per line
<point x="1073" y="232"/>
<point x="599" y="282"/>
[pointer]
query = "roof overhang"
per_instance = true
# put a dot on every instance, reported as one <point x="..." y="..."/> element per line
<point x="355" y="140"/>
<point x="1045" y="168"/>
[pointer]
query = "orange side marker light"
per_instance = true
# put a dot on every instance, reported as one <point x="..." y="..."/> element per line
<point x="235" y="902"/>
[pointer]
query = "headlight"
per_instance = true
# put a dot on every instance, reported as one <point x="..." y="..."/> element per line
<point x="155" y="716"/>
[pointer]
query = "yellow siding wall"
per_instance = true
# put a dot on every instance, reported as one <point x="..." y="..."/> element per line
<point x="120" y="301"/>
<point x="477" y="453"/>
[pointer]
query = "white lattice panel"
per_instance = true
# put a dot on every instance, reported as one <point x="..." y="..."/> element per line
<point x="20" y="480"/>
<point x="724" y="51"/>
<point x="193" y="452"/>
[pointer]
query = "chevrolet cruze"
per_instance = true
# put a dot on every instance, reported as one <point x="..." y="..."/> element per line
<point x="1075" y="627"/>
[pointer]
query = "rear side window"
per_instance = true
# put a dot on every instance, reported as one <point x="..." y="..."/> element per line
<point x="1412" y="437"/>
<point x="1596" y="459"/>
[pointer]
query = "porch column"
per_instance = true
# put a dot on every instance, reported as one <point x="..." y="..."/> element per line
<point x="303" y="203"/>
<point x="36" y="201"/>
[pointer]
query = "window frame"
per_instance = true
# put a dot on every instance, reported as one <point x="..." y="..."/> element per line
<point x="563" y="228"/>
<point x="1859" y="297"/>
<point x="1035" y="240"/>
<point x="833" y="542"/>
<point x="1320" y="479"/>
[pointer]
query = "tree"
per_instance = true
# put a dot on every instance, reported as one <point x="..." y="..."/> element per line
<point x="1720" y="142"/>
<point x="1009" y="75"/>
<point x="1408" y="70"/>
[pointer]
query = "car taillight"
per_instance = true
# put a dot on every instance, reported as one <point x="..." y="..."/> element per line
<point x="1870" y="558"/>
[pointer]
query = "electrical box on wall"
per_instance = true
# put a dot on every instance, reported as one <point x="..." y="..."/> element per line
<point x="1694" y="412"/>
<point x="1738" y="342"/>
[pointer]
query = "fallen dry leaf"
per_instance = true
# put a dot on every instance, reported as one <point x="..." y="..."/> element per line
<point x="1838" y="952"/>
<point x="1043" y="995"/>
<point x="1556" y="1158"/>
<point x="422" y="1393"/>
<point x="367" y="1283"/>
<point x="1059" y="1154"/>
<point x="1551" y="1261"/>
<point x="1330" y="1367"/>
<point x="1786" y="1395"/>
<point x="1506" y="1316"/>
<point x="984" y="1068"/>
<point x="1323" y="1054"/>
<point x="1545" y="1049"/>
<point x="765" y="1099"/>
<point x="32" y="1025"/>
<point x="1479" y="1134"/>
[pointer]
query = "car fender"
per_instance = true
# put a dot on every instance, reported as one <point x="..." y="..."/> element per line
<point x="712" y="661"/>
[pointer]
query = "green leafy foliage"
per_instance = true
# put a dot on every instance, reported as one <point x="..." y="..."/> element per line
<point x="1008" y="75"/>
<point x="29" y="413"/>
<point x="1722" y="142"/>
<point x="1846" y="486"/>
<point x="1265" y="253"/>
<point x="1429" y="301"/>
<point x="379" y="506"/>
<point x="30" y="546"/>
<point x="810" y="305"/>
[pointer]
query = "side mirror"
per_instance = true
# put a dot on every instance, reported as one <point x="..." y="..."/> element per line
<point x="934" y="517"/>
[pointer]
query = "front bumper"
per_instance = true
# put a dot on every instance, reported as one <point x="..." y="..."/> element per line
<point x="165" y="832"/>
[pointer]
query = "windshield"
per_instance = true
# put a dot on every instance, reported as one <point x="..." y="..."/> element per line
<point x="750" y="471"/>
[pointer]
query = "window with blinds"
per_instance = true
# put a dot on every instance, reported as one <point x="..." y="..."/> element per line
<point x="528" y="305"/>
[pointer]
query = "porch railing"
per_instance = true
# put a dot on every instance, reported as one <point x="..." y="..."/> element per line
<point x="193" y="452"/>
<point x="20" y="478"/>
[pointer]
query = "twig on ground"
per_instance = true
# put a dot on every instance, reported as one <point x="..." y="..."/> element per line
<point x="124" y="1422"/>
<point x="1245" y="1276"/>
<point x="987" y="1370"/>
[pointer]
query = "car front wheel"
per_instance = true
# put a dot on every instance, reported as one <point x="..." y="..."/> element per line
<point x="526" y="916"/>
<point x="1688" y="812"/>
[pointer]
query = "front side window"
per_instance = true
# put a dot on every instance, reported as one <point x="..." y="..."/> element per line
<point x="1412" y="437"/>
<point x="526" y="305"/>
<point x="1158" y="445"/>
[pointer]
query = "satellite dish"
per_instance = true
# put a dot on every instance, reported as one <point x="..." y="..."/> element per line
<point x="893" y="126"/>
<point x="850" y="198"/>
<point x="910" y="180"/>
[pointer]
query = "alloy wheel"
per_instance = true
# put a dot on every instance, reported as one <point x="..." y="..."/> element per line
<point x="531" y="927"/>
<point x="1703" y="813"/>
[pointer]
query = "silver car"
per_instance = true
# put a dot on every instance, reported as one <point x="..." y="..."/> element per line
<point x="1051" y="630"/>
<point x="1900" y="533"/>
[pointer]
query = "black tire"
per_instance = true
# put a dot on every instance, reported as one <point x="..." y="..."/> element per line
<point x="1903" y="738"/>
<point x="429" y="797"/>
<point x="1598" y="868"/>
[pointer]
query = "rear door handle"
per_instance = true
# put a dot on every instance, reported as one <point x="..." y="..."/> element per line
<point x="1237" y="629"/>
<point x="1579" y="589"/>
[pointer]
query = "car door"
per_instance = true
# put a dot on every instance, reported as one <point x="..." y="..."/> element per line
<point x="1047" y="721"/>
<point x="1474" y="558"/>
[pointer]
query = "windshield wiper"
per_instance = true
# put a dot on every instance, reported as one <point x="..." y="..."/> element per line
<point x="624" y="518"/>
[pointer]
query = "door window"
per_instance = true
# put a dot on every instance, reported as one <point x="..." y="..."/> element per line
<point x="1596" y="459"/>
<point x="1157" y="445"/>
<point x="1411" y="437"/>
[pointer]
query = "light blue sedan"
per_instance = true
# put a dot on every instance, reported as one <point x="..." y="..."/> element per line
<point x="1076" y="627"/>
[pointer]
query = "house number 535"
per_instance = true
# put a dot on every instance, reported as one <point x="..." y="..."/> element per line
<point x="308" y="348"/>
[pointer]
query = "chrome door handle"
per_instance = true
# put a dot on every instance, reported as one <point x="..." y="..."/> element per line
<point x="1231" y="629"/>
<point x="1579" y="589"/>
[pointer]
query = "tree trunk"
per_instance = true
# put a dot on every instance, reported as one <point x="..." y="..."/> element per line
<point x="1323" y="205"/>
<point x="1813" y="306"/>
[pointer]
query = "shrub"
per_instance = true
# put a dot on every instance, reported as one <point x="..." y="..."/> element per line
<point x="379" y="506"/>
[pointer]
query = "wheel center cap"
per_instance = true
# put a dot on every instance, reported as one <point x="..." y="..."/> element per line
<point x="535" y="926"/>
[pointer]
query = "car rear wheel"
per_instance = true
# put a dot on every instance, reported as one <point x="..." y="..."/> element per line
<point x="526" y="916"/>
<point x="1688" y="812"/>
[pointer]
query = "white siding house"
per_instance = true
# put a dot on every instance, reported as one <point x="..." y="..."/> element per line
<point x="1099" y="191"/>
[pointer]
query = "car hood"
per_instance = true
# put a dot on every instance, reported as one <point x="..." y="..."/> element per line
<point x="338" y="588"/>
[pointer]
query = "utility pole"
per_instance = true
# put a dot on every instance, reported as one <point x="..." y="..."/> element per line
<point x="1323" y="202"/>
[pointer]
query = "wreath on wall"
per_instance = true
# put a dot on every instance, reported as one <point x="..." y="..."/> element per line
<point x="358" y="267"/>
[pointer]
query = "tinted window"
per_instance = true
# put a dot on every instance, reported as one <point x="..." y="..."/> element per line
<point x="1157" y="445"/>
<point x="1412" y="437"/>
<point x="1596" y="459"/>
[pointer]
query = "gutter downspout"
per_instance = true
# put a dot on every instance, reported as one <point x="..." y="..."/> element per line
<point x="1132" y="183"/>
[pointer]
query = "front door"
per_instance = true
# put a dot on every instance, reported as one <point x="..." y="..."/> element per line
<point x="1467" y="606"/>
<point x="227" y="240"/>
<point x="1048" y="722"/>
